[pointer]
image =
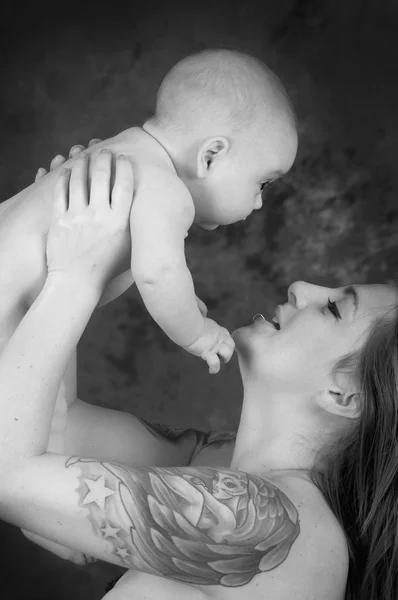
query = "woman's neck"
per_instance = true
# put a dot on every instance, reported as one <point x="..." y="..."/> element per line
<point x="272" y="435"/>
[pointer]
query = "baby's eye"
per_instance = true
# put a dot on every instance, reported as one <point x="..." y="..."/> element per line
<point x="332" y="306"/>
<point x="264" y="185"/>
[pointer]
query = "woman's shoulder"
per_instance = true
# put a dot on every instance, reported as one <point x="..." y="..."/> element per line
<point x="302" y="553"/>
<point x="312" y="506"/>
<point x="321" y="547"/>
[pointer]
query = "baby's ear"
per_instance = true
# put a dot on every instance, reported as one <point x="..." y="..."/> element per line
<point x="210" y="152"/>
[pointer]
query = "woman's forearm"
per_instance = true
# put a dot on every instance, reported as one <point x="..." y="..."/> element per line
<point x="33" y="363"/>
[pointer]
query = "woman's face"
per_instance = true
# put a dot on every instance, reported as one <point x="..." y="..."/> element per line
<point x="318" y="326"/>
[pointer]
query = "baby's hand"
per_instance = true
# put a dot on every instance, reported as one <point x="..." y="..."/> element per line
<point x="214" y="343"/>
<point x="202" y="307"/>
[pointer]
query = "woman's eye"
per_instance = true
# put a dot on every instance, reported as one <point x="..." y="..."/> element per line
<point x="332" y="306"/>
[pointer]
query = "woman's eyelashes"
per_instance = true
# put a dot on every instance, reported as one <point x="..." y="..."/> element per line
<point x="332" y="307"/>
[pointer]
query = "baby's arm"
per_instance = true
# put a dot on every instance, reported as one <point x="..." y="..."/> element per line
<point x="161" y="215"/>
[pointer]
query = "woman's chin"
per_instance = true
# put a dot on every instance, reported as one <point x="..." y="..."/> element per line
<point x="258" y="325"/>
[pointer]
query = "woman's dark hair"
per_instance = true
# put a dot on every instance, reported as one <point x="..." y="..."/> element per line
<point x="360" y="479"/>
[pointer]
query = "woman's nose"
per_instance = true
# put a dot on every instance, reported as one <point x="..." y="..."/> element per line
<point x="301" y="293"/>
<point x="296" y="294"/>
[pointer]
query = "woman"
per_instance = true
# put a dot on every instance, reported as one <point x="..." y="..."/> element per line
<point x="309" y="497"/>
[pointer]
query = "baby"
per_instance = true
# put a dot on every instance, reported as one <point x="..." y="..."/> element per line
<point x="223" y="129"/>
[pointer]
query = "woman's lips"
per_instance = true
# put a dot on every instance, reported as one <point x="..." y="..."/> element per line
<point x="259" y="318"/>
<point x="258" y="315"/>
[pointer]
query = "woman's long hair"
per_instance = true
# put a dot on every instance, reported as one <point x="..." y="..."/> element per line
<point x="360" y="480"/>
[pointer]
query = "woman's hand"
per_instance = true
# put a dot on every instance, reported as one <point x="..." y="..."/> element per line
<point x="59" y="159"/>
<point x="89" y="233"/>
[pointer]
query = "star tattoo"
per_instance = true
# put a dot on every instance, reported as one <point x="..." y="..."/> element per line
<point x="123" y="553"/>
<point x="110" y="532"/>
<point x="98" y="492"/>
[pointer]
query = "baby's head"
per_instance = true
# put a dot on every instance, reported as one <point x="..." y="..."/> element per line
<point x="229" y="126"/>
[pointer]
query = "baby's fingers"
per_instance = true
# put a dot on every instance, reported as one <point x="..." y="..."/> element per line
<point x="226" y="351"/>
<point x="202" y="306"/>
<point x="214" y="363"/>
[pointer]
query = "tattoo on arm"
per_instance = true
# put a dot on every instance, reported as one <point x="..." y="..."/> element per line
<point x="197" y="525"/>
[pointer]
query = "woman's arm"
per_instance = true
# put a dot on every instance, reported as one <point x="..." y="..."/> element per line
<point x="85" y="242"/>
<point x="33" y="363"/>
<point x="194" y="524"/>
<point x="114" y="435"/>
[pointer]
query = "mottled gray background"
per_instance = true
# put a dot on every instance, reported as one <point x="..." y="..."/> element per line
<point x="70" y="73"/>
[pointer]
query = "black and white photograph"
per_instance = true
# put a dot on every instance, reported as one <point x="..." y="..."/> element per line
<point x="199" y="300"/>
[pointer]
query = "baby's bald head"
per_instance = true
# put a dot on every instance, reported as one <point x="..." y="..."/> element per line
<point x="223" y="92"/>
<point x="228" y="125"/>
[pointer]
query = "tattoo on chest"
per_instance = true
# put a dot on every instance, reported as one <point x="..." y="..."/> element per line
<point x="201" y="525"/>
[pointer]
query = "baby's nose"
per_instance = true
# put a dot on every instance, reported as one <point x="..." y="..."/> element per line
<point x="259" y="203"/>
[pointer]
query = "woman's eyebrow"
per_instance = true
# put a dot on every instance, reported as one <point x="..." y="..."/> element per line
<point x="351" y="291"/>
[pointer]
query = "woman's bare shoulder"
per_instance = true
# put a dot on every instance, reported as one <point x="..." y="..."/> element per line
<point x="316" y="564"/>
<point x="321" y="552"/>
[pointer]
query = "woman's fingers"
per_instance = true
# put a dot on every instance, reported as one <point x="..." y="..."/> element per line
<point x="40" y="173"/>
<point x="101" y="180"/>
<point x="123" y="189"/>
<point x="60" y="194"/>
<point x="75" y="150"/>
<point x="57" y="161"/>
<point x="78" y="185"/>
<point x="94" y="141"/>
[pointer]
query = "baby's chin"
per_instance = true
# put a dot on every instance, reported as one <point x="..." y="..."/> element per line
<point x="208" y="226"/>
